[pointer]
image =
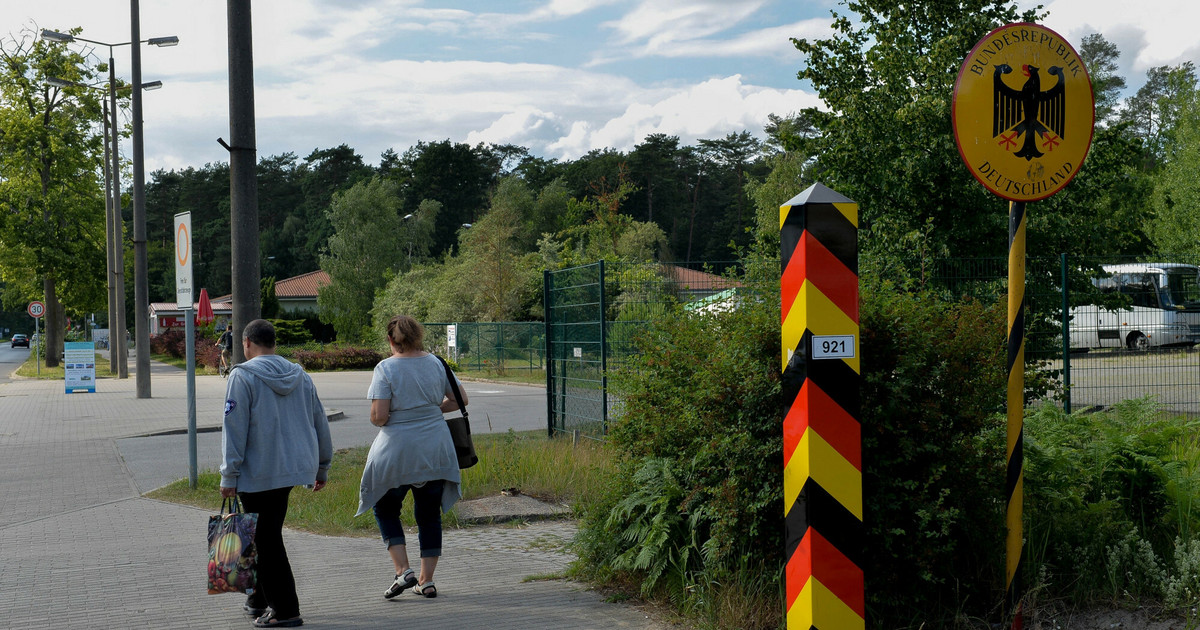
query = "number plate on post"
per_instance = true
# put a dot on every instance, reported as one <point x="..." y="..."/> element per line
<point x="833" y="346"/>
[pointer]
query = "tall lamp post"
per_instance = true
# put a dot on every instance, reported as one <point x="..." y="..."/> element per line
<point x="112" y="221"/>
<point x="141" y="288"/>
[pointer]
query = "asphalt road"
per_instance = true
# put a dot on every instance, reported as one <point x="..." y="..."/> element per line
<point x="10" y="359"/>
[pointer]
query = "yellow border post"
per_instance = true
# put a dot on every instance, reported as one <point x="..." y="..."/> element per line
<point x="1013" y="484"/>
<point x="822" y="443"/>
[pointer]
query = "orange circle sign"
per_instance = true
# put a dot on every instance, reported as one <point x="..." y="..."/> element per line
<point x="181" y="244"/>
<point x="1023" y="112"/>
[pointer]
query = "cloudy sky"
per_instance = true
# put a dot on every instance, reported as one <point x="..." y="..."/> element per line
<point x="561" y="77"/>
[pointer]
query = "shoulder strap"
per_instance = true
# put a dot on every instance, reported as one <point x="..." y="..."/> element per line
<point x="453" y="386"/>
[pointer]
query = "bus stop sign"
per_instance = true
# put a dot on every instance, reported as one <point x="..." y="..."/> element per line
<point x="1023" y="112"/>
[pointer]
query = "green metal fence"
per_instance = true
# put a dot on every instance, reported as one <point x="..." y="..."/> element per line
<point x="1130" y="331"/>
<point x="495" y="347"/>
<point x="593" y="313"/>
<point x="1131" y="327"/>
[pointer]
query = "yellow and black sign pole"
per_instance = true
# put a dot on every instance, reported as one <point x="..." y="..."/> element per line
<point x="822" y="439"/>
<point x="1013" y="484"/>
<point x="1023" y="116"/>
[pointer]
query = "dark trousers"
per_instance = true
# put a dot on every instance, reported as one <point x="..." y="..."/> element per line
<point x="427" y="510"/>
<point x="276" y="585"/>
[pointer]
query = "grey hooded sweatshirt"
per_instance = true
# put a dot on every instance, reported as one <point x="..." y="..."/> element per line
<point x="275" y="432"/>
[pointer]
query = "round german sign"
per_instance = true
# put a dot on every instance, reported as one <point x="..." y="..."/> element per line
<point x="36" y="309"/>
<point x="1023" y="112"/>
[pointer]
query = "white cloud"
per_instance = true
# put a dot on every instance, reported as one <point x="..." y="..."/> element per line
<point x="328" y="73"/>
<point x="768" y="42"/>
<point x="1148" y="34"/>
<point x="661" y="23"/>
<point x="712" y="109"/>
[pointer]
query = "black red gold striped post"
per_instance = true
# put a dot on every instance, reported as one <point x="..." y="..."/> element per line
<point x="1014" y="481"/>
<point x="822" y="440"/>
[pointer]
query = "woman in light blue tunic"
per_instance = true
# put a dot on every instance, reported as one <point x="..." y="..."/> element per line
<point x="413" y="452"/>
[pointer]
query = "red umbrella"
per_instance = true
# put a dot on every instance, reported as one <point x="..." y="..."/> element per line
<point x="204" y="312"/>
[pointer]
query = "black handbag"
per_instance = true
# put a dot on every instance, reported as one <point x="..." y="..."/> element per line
<point x="460" y="427"/>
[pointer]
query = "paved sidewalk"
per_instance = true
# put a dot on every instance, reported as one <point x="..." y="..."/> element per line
<point x="81" y="548"/>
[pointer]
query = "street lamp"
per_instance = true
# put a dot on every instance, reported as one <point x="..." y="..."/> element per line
<point x="113" y="243"/>
<point x="141" y="282"/>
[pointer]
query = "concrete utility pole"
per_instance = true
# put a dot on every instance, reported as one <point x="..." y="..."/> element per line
<point x="116" y="329"/>
<point x="243" y="187"/>
<point x="141" y="284"/>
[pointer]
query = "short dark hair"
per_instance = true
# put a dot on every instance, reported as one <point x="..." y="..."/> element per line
<point x="260" y="332"/>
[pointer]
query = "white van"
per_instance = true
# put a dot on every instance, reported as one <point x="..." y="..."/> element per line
<point x="1165" y="308"/>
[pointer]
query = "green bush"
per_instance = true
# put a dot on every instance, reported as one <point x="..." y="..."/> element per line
<point x="700" y="492"/>
<point x="698" y="507"/>
<point x="337" y="358"/>
<point x="291" y="332"/>
<point x="933" y="382"/>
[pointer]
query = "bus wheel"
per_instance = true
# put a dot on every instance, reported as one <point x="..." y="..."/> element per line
<point x="1137" y="341"/>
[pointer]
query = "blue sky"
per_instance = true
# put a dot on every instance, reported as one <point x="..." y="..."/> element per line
<point x="561" y="77"/>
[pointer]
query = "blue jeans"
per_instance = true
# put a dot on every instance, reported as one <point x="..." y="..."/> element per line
<point x="427" y="508"/>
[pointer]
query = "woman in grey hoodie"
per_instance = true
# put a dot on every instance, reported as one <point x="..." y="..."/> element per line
<point x="413" y="452"/>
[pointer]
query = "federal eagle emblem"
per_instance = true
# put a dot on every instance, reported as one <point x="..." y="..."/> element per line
<point x="1029" y="111"/>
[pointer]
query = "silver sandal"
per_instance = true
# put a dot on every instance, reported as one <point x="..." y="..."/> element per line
<point x="426" y="590"/>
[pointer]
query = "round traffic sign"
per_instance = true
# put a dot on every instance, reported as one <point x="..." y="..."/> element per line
<point x="182" y="242"/>
<point x="1023" y="112"/>
<point x="36" y="309"/>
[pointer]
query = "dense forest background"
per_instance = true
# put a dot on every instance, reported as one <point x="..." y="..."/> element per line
<point x="694" y="194"/>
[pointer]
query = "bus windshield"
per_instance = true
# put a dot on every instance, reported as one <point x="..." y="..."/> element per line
<point x="1183" y="288"/>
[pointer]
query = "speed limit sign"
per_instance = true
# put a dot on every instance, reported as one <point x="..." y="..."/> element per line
<point x="36" y="309"/>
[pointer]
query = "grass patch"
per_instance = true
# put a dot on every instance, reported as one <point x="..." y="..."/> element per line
<point x="30" y="369"/>
<point x="551" y="470"/>
<point x="525" y="377"/>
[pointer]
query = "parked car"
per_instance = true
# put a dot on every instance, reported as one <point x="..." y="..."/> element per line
<point x="20" y="340"/>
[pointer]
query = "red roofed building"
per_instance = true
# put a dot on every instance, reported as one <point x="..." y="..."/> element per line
<point x="299" y="293"/>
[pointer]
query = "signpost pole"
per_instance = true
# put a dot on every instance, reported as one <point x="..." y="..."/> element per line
<point x="1014" y="480"/>
<point x="37" y="350"/>
<point x="1024" y="137"/>
<point x="183" y="300"/>
<point x="190" y="336"/>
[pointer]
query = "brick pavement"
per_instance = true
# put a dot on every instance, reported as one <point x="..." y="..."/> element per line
<point x="81" y="548"/>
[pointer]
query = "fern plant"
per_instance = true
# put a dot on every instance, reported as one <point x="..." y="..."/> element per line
<point x="654" y="522"/>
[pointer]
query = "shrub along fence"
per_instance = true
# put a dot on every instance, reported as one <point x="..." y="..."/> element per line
<point x="593" y="313"/>
<point x="1130" y="332"/>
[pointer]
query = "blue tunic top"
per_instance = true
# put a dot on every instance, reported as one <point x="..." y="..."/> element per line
<point x="415" y="445"/>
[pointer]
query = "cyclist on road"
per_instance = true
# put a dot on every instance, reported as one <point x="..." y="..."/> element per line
<point x="226" y="345"/>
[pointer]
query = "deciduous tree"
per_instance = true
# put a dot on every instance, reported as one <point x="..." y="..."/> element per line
<point x="51" y="206"/>
<point x="363" y="254"/>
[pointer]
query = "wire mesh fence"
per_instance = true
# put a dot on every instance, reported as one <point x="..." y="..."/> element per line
<point x="1131" y="328"/>
<point x="593" y="314"/>
<point x="492" y="347"/>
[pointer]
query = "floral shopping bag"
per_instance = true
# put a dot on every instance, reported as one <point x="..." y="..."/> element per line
<point x="231" y="553"/>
